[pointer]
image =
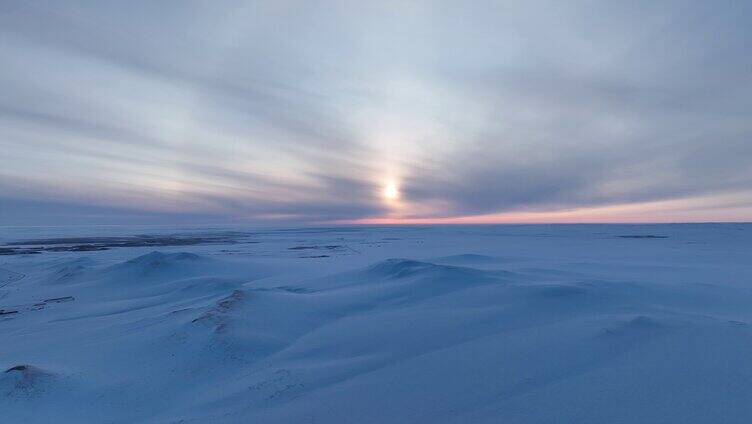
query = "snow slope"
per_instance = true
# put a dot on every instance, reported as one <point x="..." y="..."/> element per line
<point x="486" y="324"/>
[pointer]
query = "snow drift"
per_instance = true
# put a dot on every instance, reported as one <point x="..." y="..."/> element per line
<point x="525" y="332"/>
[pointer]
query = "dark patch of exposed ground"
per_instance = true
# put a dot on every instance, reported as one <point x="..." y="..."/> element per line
<point x="89" y="244"/>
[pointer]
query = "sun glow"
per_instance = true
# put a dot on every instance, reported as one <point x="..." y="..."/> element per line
<point x="391" y="192"/>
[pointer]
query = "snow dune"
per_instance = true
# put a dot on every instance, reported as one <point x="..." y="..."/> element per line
<point x="437" y="325"/>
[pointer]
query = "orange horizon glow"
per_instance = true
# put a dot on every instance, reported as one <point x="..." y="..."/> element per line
<point x="675" y="211"/>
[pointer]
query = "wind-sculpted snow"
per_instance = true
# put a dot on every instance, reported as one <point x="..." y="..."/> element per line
<point x="471" y="259"/>
<point x="567" y="328"/>
<point x="25" y="381"/>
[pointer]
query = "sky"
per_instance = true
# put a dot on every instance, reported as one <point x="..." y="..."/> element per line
<point x="378" y="112"/>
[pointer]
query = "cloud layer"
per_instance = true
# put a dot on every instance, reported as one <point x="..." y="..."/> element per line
<point x="295" y="111"/>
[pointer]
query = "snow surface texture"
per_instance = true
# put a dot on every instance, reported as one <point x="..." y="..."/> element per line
<point x="477" y="324"/>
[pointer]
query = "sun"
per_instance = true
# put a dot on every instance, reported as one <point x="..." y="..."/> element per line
<point x="391" y="192"/>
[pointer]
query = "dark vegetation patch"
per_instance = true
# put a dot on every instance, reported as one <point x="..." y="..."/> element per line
<point x="293" y="289"/>
<point x="18" y="251"/>
<point x="90" y="244"/>
<point x="17" y="368"/>
<point x="328" y="247"/>
<point x="36" y="306"/>
<point x="60" y="299"/>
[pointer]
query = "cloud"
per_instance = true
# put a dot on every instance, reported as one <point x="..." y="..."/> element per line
<point x="246" y="111"/>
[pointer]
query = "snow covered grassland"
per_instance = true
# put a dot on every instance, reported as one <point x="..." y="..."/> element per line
<point x="454" y="324"/>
